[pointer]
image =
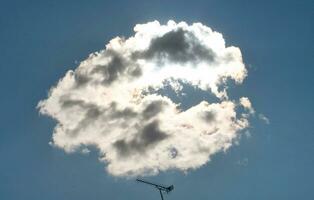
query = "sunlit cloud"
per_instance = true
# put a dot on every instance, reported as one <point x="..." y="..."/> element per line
<point x="116" y="100"/>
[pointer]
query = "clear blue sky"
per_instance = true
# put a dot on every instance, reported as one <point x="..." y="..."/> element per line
<point x="41" y="40"/>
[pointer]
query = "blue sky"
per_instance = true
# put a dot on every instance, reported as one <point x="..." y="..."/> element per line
<point x="41" y="40"/>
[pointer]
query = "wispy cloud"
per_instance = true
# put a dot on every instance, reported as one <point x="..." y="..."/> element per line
<point x="263" y="118"/>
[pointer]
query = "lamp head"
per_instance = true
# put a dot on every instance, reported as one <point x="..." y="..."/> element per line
<point x="170" y="188"/>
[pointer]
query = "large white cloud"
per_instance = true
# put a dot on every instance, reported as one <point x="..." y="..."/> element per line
<point x="116" y="101"/>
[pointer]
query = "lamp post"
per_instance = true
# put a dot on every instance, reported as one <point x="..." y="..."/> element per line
<point x="159" y="187"/>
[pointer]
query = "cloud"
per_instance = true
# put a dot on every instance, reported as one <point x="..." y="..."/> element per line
<point x="178" y="46"/>
<point x="147" y="136"/>
<point x="116" y="100"/>
<point x="246" y="103"/>
<point x="264" y="118"/>
<point x="243" y="162"/>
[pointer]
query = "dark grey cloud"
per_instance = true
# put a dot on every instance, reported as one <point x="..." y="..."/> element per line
<point x="208" y="116"/>
<point x="92" y="113"/>
<point x="153" y="108"/>
<point x="66" y="102"/>
<point x="134" y="71"/>
<point x="121" y="113"/>
<point x="112" y="70"/>
<point x="152" y="134"/>
<point x="149" y="135"/>
<point x="81" y="79"/>
<point x="178" y="46"/>
<point x="112" y="111"/>
<point x="117" y="66"/>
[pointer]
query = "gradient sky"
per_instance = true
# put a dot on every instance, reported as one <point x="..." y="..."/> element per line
<point x="41" y="40"/>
